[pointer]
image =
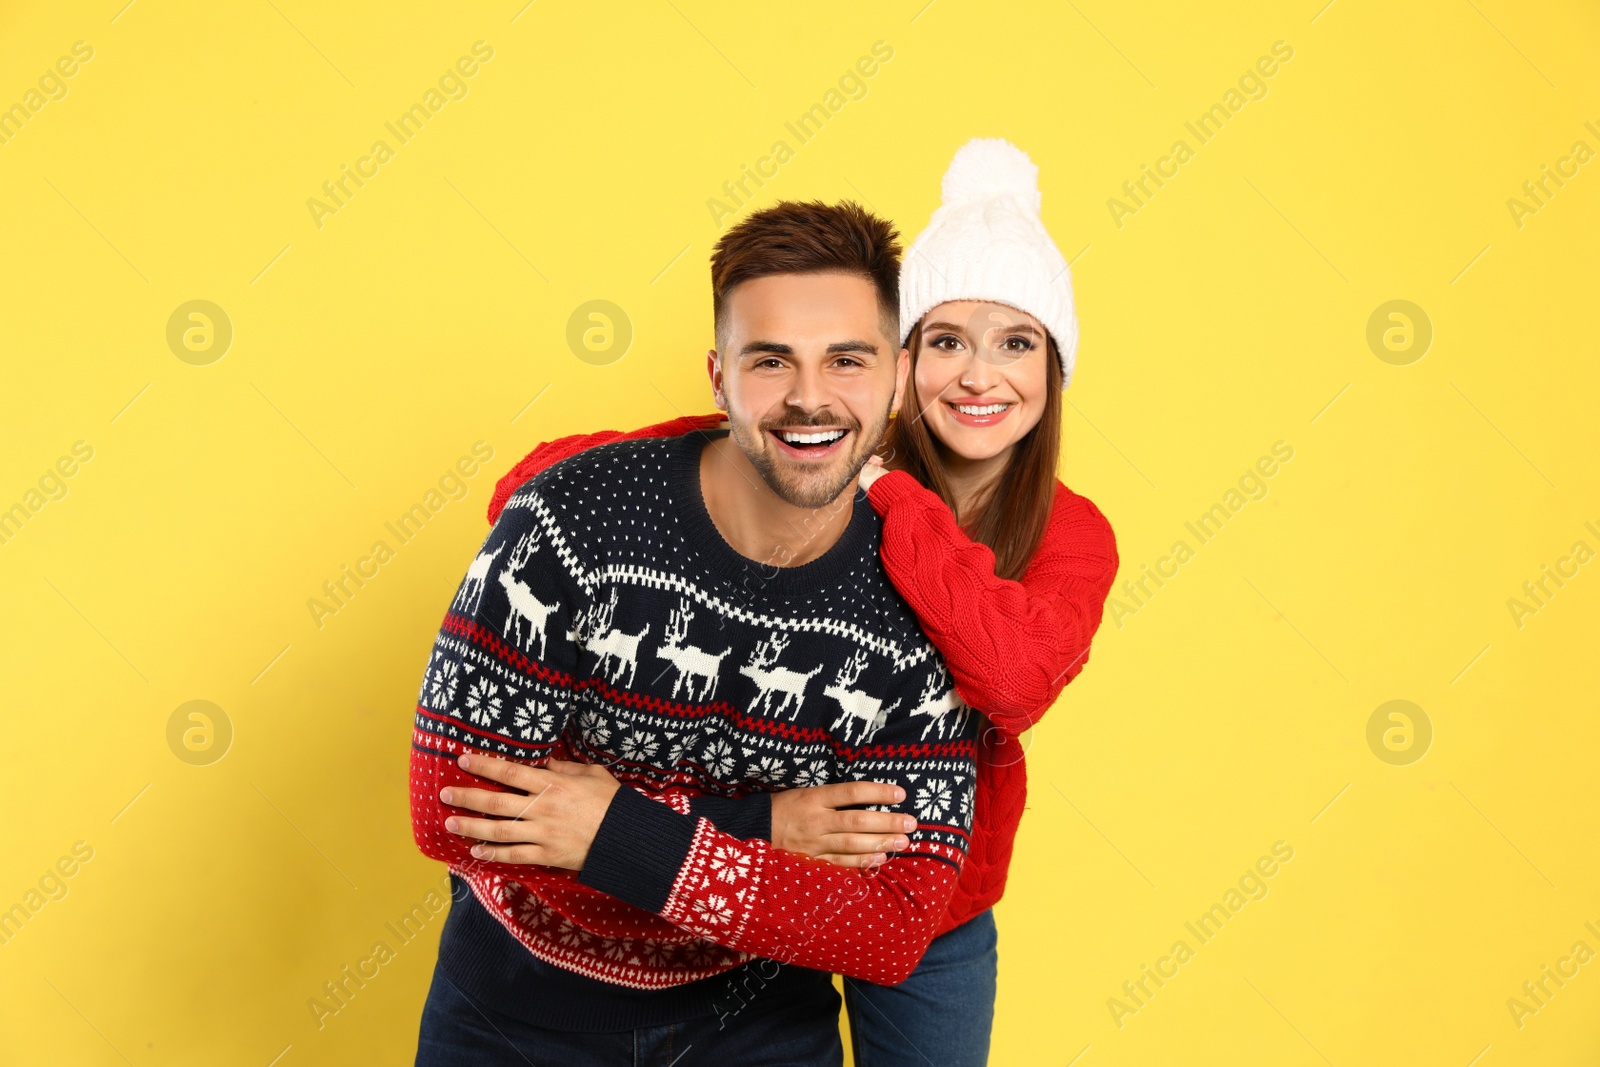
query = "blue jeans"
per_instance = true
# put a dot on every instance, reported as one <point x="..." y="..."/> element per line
<point x="456" y="1032"/>
<point x="939" y="1017"/>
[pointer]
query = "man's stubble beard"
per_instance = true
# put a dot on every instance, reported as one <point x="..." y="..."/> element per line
<point x="803" y="492"/>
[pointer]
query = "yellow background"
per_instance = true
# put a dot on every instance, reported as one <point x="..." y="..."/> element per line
<point x="428" y="313"/>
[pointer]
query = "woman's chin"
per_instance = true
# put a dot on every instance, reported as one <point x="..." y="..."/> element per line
<point x="974" y="446"/>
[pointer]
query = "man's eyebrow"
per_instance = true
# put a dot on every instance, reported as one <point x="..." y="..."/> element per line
<point x="778" y="348"/>
<point x="774" y="347"/>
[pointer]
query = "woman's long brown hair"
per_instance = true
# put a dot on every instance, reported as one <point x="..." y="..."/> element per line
<point x="1009" y="515"/>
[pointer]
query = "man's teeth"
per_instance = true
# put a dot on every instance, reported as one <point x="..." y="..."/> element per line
<point x="825" y="437"/>
<point x="986" y="409"/>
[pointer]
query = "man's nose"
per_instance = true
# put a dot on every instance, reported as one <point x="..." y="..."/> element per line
<point x="809" y="391"/>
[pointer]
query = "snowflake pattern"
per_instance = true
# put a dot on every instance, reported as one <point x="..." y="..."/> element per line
<point x="933" y="799"/>
<point x="534" y="719"/>
<point x="809" y="774"/>
<point x="529" y="908"/>
<point x="573" y="936"/>
<point x="444" y="686"/>
<point x="713" y="910"/>
<point x="593" y="726"/>
<point x="483" y="702"/>
<point x="729" y="865"/>
<point x="609" y="955"/>
<point x="770" y="769"/>
<point x="702" y="953"/>
<point x="718" y="759"/>
<point x="639" y="746"/>
<point x="675" y="750"/>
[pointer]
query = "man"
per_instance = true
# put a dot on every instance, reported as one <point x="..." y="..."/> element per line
<point x="707" y="616"/>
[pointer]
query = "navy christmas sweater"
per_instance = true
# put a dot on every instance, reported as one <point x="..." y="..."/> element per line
<point x="606" y="620"/>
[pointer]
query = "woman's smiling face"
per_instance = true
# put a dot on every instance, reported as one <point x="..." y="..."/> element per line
<point x="980" y="375"/>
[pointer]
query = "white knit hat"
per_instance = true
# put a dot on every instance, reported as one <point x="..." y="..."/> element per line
<point x="987" y="242"/>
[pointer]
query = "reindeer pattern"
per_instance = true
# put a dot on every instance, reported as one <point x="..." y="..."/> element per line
<point x="780" y="691"/>
<point x="770" y="679"/>
<point x="941" y="705"/>
<point x="851" y="705"/>
<point x="470" y="595"/>
<point x="674" y="679"/>
<point x="620" y="649"/>
<point x="697" y="669"/>
<point x="525" y="608"/>
<point x="861" y="715"/>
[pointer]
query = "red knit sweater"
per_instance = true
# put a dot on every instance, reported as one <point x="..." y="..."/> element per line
<point x="1011" y="646"/>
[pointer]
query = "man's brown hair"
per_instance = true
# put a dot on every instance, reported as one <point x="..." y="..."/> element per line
<point x="810" y="237"/>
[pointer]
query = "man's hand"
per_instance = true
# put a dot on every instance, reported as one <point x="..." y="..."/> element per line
<point x="551" y="821"/>
<point x="553" y="817"/>
<point x="809" y="821"/>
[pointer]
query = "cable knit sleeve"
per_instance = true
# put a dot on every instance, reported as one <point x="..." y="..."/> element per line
<point x="551" y="452"/>
<point x="1011" y="646"/>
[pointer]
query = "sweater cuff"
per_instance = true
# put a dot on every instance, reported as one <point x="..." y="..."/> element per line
<point x="891" y="487"/>
<point x="747" y="818"/>
<point x="638" y="850"/>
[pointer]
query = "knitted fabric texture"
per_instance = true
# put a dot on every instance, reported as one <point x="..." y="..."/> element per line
<point x="1010" y="646"/>
<point x="606" y="620"/>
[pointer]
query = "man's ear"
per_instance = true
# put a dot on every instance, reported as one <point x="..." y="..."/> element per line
<point x="902" y="371"/>
<point x="714" y="372"/>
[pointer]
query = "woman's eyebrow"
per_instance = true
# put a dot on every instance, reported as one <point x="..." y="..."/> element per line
<point x="1019" y="327"/>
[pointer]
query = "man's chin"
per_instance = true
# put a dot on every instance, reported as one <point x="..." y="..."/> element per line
<point x="814" y="491"/>
<point x="808" y="488"/>
<point x="797" y="483"/>
<point x="807" y="499"/>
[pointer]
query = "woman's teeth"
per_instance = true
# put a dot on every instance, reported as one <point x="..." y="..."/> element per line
<point x="823" y="438"/>
<point x="985" y="409"/>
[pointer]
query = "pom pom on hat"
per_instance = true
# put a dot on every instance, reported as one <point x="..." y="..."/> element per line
<point x="986" y="241"/>
<point x="988" y="167"/>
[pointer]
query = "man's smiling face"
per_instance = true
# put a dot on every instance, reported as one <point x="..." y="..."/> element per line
<point x="808" y="377"/>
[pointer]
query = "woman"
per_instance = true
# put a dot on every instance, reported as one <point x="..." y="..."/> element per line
<point x="1007" y="569"/>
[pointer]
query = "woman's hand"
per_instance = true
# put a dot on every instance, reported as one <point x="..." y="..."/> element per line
<point x="551" y="821"/>
<point x="809" y="821"/>
<point x="872" y="471"/>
